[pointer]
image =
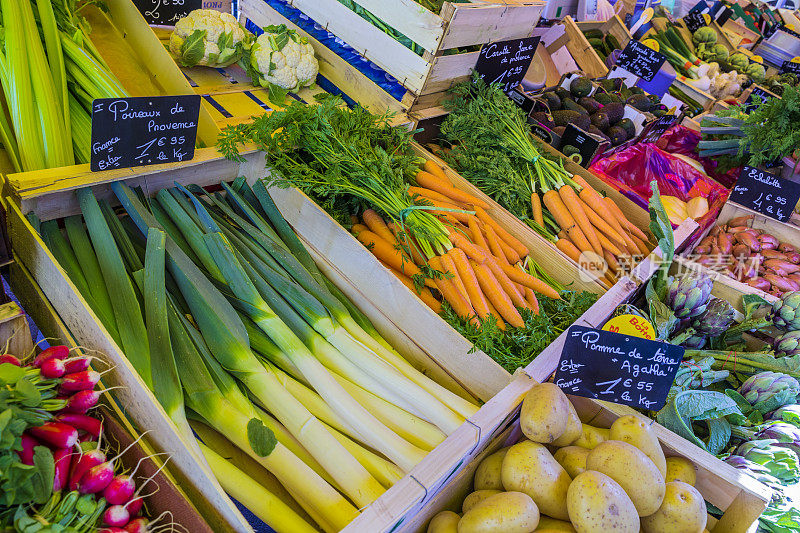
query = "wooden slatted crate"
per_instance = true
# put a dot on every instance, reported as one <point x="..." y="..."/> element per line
<point x="424" y="76"/>
<point x="583" y="52"/>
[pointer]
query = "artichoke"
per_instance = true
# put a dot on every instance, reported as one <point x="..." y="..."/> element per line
<point x="766" y="391"/>
<point x="782" y="463"/>
<point x="787" y="413"/>
<point x="688" y="296"/>
<point x="787" y="345"/>
<point x="717" y="319"/>
<point x="695" y="342"/>
<point x="786" y="311"/>
<point x="786" y="435"/>
<point x="759" y="472"/>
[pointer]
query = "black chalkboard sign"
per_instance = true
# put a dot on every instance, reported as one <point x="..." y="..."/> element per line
<point x="545" y="134"/>
<point x="617" y="368"/>
<point x="585" y="143"/>
<point x="506" y="62"/>
<point x="131" y="132"/>
<point x="166" y="12"/>
<point x="694" y="20"/>
<point x="525" y="102"/>
<point x="750" y="104"/>
<point x="657" y="128"/>
<point x="768" y="194"/>
<point x="790" y="66"/>
<point x="723" y="14"/>
<point x="640" y="60"/>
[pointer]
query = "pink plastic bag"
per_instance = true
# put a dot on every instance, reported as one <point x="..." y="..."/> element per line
<point x="680" y="140"/>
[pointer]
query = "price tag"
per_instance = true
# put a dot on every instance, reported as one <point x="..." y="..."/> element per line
<point x="131" y="132"/>
<point x="769" y="195"/>
<point x="540" y="131"/>
<point x="631" y="325"/>
<point x="166" y="12"/>
<point x="522" y="100"/>
<point x="617" y="368"/>
<point x="585" y="143"/>
<point x="723" y="14"/>
<point x="792" y="66"/>
<point x="657" y="128"/>
<point x="506" y="62"/>
<point x="695" y="20"/>
<point x="640" y="60"/>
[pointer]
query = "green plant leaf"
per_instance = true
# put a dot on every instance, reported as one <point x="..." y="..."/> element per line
<point x="10" y="374"/>
<point x="261" y="438"/>
<point x="193" y="49"/>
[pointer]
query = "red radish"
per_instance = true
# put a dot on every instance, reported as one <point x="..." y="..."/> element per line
<point x="87" y="423"/>
<point x="135" y="505"/>
<point x="137" y="525"/>
<point x="61" y="352"/>
<point x="28" y="444"/>
<point x="63" y="459"/>
<point x="8" y="358"/>
<point x="76" y="364"/>
<point x="56" y="434"/>
<point x="53" y="368"/>
<point x="82" y="401"/>
<point x="99" y="476"/>
<point x="80" y="466"/>
<point x="77" y="381"/>
<point x="116" y="516"/>
<point x="111" y="530"/>
<point x="122" y="488"/>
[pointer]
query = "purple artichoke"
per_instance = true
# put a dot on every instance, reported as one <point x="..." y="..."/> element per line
<point x="787" y="345"/>
<point x="759" y="472"/>
<point x="787" y="413"/>
<point x="689" y="296"/>
<point x="766" y="391"/>
<point x="716" y="320"/>
<point x="786" y="435"/>
<point x="786" y="311"/>
<point x="782" y="463"/>
<point x="695" y="342"/>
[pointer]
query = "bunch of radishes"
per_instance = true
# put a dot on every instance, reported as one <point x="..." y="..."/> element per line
<point x="85" y="482"/>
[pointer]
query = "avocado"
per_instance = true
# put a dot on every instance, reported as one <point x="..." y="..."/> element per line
<point x="564" y="117"/>
<point x="655" y="100"/>
<point x="627" y="125"/>
<point x="611" y="41"/>
<point x="582" y="121"/>
<point x="552" y="100"/>
<point x="600" y="120"/>
<point x="589" y="104"/>
<point x="640" y="102"/>
<point x="568" y="150"/>
<point x="572" y="105"/>
<point x="658" y="112"/>
<point x="543" y="118"/>
<point x="615" y="112"/>
<point x="617" y="135"/>
<point x="603" y="98"/>
<point x="608" y="84"/>
<point x="593" y="34"/>
<point x="595" y="131"/>
<point x="637" y="90"/>
<point x="616" y="98"/>
<point x="580" y="87"/>
<point x="562" y="93"/>
<point x="596" y="43"/>
<point x="625" y="93"/>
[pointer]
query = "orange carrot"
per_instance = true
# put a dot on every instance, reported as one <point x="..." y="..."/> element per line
<point x="424" y="179"/>
<point x="500" y="322"/>
<point x="477" y="233"/>
<point x="467" y="275"/>
<point x="564" y="219"/>
<point x="508" y="286"/>
<point x="494" y="244"/>
<point x="613" y="265"/>
<point x="600" y="224"/>
<point x="640" y="244"/>
<point x="470" y="249"/>
<point x="566" y="246"/>
<point x="457" y="215"/>
<point x="495" y="293"/>
<point x="450" y="268"/>
<point x="575" y="207"/>
<point x="358" y="228"/>
<point x="536" y="206"/>
<point x="433" y="168"/>
<point x="424" y="294"/>
<point x="626" y="224"/>
<point x="354" y="219"/>
<point x="530" y="297"/>
<point x="608" y="245"/>
<point x="387" y="253"/>
<point x="502" y="233"/>
<point x="428" y="193"/>
<point x="523" y="278"/>
<point x="449" y="292"/>
<point x="403" y="239"/>
<point x="511" y="255"/>
<point x="377" y="226"/>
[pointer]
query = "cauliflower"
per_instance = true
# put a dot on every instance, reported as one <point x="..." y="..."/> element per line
<point x="282" y="60"/>
<point x="209" y="38"/>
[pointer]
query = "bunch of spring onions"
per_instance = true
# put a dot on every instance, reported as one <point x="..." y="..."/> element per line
<point x="228" y="320"/>
<point x="50" y="72"/>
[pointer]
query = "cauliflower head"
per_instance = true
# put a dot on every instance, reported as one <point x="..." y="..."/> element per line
<point x="282" y="60"/>
<point x="210" y="38"/>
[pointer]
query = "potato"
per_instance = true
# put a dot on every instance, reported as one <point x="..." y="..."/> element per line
<point x="573" y="431"/>
<point x="530" y="468"/>
<point x="476" y="497"/>
<point x="681" y="469"/>
<point x="444" y="522"/>
<point x="572" y="458"/>
<point x="597" y="504"/>
<point x="551" y="525"/>
<point x="507" y="512"/>
<point x="487" y="476"/>
<point x="633" y="470"/>
<point x="683" y="511"/>
<point x="591" y="436"/>
<point x="545" y="413"/>
<point x="638" y="431"/>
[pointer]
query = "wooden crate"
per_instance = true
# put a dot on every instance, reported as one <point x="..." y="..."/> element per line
<point x="424" y="77"/>
<point x="739" y="35"/>
<point x="552" y="59"/>
<point x="583" y="52"/>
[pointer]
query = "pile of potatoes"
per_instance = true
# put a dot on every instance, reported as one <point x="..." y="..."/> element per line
<point x="572" y="477"/>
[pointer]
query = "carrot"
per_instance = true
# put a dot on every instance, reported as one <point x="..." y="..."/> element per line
<point x="477" y="233"/>
<point x="457" y="215"/>
<point x="530" y="297"/>
<point x="566" y="246"/>
<point x="471" y="250"/>
<point x="536" y="206"/>
<point x="354" y="220"/>
<point x="403" y="240"/>
<point x="494" y="244"/>
<point x="495" y="293"/>
<point x="502" y="233"/>
<point x="564" y="219"/>
<point x="624" y="222"/>
<point x="598" y="205"/>
<point x="430" y="194"/>
<point x="613" y="265"/>
<point x="608" y="245"/>
<point x="508" y="286"/>
<point x="387" y="253"/>
<point x="600" y="224"/>
<point x="467" y="275"/>
<point x="511" y="255"/>
<point x="424" y="179"/>
<point x="450" y="268"/>
<point x="640" y="244"/>
<point x="449" y="292"/>
<point x="424" y="294"/>
<point x="358" y="228"/>
<point x="376" y="224"/>
<point x="500" y="322"/>
<point x="432" y="168"/>
<point x="523" y="278"/>
<point x="575" y="207"/>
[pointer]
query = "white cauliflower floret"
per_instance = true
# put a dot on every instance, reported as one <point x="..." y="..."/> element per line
<point x="282" y="60"/>
<point x="210" y="38"/>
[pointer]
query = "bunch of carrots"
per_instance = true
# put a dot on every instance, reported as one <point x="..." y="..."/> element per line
<point x="481" y="275"/>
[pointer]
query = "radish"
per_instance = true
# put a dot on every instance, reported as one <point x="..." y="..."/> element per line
<point x="53" y="368"/>
<point x="77" y="364"/>
<point x="63" y="459"/>
<point x="8" y="358"/>
<point x="26" y="453"/>
<point x="56" y="434"/>
<point x="116" y="516"/>
<point x="82" y="401"/>
<point x="78" y="381"/>
<point x="87" y="423"/>
<point x="137" y="525"/>
<point x="135" y="505"/>
<point x="86" y="461"/>
<point x="111" y="530"/>
<point x="99" y="476"/>
<point x="122" y="487"/>
<point x="61" y="352"/>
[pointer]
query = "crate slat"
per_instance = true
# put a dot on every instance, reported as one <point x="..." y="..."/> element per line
<point x="410" y="19"/>
<point x="583" y="52"/>
<point x="473" y="23"/>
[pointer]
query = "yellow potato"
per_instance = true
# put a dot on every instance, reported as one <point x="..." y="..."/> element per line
<point x="530" y="468"/>
<point x="681" y="469"/>
<point x="597" y="504"/>
<point x="487" y="476"/>
<point x="545" y="413"/>
<point x="683" y="511"/>
<point x="638" y="431"/>
<point x="444" y="522"/>
<point x="591" y="436"/>
<point x="507" y="512"/>
<point x="476" y="497"/>
<point x="551" y="525"/>
<point x="633" y="470"/>
<point x="572" y="458"/>
<point x="574" y="429"/>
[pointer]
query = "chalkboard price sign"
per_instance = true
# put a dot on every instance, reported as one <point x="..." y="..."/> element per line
<point x="617" y="368"/>
<point x="131" y="132"/>
<point x="506" y="62"/>
<point x="791" y="66"/>
<point x="640" y="60"/>
<point x="694" y="20"/>
<point x="657" y="128"/>
<point x="582" y="141"/>
<point x="769" y="195"/>
<point x="750" y="104"/>
<point x="166" y="12"/>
